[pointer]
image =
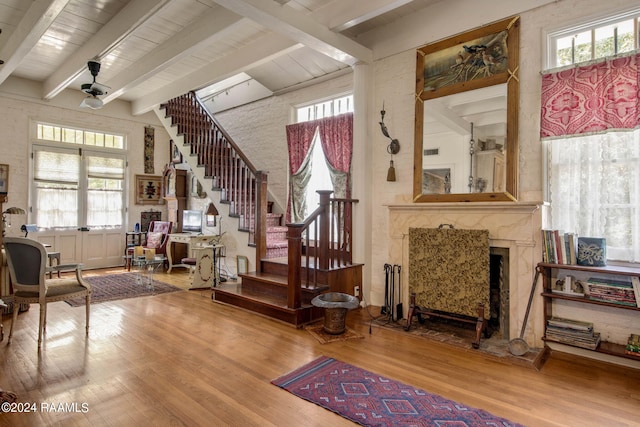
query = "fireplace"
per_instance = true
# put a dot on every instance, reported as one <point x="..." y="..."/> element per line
<point x="499" y="291"/>
<point x="515" y="242"/>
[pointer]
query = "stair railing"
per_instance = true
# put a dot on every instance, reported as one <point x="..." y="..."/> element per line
<point x="322" y="241"/>
<point x="242" y="186"/>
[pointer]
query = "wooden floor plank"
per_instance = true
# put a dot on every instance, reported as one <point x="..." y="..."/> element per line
<point x="183" y="359"/>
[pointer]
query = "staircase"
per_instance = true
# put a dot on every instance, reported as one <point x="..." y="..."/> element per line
<point x="294" y="263"/>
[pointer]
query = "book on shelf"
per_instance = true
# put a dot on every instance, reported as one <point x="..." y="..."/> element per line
<point x="633" y="346"/>
<point x="558" y="247"/>
<point x="572" y="332"/>
<point x="570" y="323"/>
<point x="588" y="343"/>
<point x="613" y="291"/>
<point x="635" y="283"/>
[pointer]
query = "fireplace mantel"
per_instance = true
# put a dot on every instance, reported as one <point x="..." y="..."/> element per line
<point x="512" y="225"/>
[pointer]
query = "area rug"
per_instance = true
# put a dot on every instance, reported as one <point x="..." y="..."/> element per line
<point x="317" y="330"/>
<point x="114" y="287"/>
<point x="372" y="400"/>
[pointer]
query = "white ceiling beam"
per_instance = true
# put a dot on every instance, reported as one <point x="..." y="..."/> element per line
<point x="301" y="28"/>
<point x="104" y="41"/>
<point x="213" y="25"/>
<point x="341" y="15"/>
<point x="437" y="111"/>
<point x="260" y="51"/>
<point x="35" y="22"/>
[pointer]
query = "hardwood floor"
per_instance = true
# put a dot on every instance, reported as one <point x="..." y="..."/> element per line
<point x="181" y="359"/>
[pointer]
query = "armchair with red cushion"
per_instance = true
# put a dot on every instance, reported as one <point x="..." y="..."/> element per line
<point x="158" y="236"/>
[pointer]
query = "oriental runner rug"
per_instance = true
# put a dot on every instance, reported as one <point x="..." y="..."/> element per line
<point x="112" y="287"/>
<point x="372" y="400"/>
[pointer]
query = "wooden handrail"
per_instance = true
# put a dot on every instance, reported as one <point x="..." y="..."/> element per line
<point x="242" y="186"/>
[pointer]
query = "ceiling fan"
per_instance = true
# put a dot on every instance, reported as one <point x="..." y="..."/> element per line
<point x="93" y="90"/>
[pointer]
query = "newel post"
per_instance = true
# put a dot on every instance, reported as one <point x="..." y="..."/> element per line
<point x="294" y="279"/>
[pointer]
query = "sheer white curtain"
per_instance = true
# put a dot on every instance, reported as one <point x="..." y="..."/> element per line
<point x="594" y="189"/>
<point x="56" y="183"/>
<point x="105" y="177"/>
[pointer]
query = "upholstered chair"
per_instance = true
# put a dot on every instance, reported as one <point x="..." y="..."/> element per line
<point x="27" y="261"/>
<point x="158" y="236"/>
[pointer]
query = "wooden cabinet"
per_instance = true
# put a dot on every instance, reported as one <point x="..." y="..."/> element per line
<point x="550" y="272"/>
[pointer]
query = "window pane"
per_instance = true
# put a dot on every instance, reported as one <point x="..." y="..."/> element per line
<point x="583" y="47"/>
<point x="56" y="167"/>
<point x="57" y="205"/>
<point x="104" y="208"/>
<point x="564" y="51"/>
<point x="626" y="37"/>
<point x="105" y="191"/>
<point x="594" y="188"/>
<point x="105" y="167"/>
<point x="605" y="45"/>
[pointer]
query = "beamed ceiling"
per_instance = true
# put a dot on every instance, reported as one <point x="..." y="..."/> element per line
<point x="230" y="51"/>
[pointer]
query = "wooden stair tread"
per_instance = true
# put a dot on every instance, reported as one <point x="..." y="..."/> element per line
<point x="277" y="279"/>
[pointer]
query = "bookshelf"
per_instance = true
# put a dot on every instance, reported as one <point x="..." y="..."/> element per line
<point x="548" y="271"/>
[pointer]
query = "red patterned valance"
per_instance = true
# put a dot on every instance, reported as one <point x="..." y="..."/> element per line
<point x="591" y="98"/>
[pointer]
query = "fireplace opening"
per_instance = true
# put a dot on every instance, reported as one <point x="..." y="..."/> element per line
<point x="499" y="291"/>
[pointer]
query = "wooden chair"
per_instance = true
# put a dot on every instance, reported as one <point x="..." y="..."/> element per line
<point x="27" y="261"/>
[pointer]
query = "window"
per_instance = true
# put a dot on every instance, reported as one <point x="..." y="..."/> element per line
<point x="327" y="123"/>
<point x="591" y="128"/>
<point x="594" y="189"/>
<point x="593" y="40"/>
<point x="332" y="107"/>
<point x="77" y="186"/>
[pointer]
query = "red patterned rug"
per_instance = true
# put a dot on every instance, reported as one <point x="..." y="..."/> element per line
<point x="371" y="400"/>
<point x="112" y="287"/>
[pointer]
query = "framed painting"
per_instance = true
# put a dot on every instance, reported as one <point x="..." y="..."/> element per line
<point x="148" y="190"/>
<point x="4" y="179"/>
<point x="175" y="156"/>
<point x="471" y="60"/>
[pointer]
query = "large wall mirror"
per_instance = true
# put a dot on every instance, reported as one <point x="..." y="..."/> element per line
<point x="466" y="130"/>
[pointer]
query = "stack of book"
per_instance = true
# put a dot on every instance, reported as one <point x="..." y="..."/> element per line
<point x="572" y="332"/>
<point x="559" y="247"/>
<point x="633" y="346"/>
<point x="613" y="291"/>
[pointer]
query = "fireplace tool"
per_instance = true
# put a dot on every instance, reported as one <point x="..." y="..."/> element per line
<point x="399" y="310"/>
<point x="518" y="346"/>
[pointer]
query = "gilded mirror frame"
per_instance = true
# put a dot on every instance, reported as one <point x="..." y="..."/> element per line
<point x="508" y="76"/>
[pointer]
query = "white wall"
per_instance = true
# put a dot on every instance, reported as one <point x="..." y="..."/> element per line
<point x="20" y="105"/>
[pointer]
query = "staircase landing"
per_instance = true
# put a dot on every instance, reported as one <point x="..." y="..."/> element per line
<point x="266" y="294"/>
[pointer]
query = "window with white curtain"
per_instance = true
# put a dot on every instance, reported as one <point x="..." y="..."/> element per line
<point x="594" y="189"/>
<point x="78" y="186"/>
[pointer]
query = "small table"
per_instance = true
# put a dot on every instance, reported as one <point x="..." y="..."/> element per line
<point x="149" y="266"/>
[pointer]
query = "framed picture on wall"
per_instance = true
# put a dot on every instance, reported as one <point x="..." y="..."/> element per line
<point x="4" y="179"/>
<point x="174" y="154"/>
<point x="148" y="190"/>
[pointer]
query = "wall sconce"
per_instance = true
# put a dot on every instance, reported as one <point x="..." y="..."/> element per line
<point x="10" y="211"/>
<point x="392" y="148"/>
<point x="212" y="213"/>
